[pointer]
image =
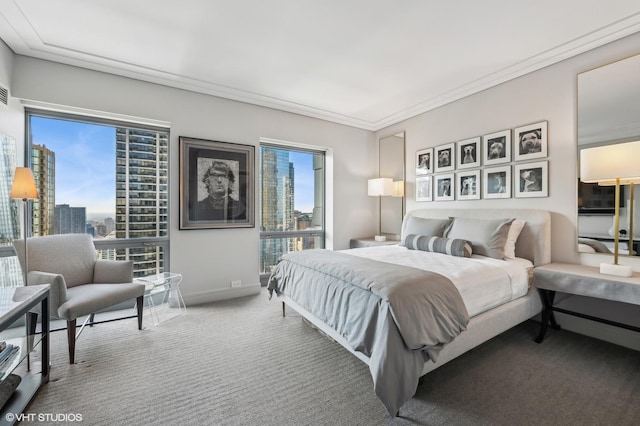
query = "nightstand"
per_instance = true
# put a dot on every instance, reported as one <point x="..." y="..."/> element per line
<point x="582" y="280"/>
<point x="371" y="242"/>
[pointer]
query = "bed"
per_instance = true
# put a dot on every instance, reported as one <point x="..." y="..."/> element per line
<point x="369" y="299"/>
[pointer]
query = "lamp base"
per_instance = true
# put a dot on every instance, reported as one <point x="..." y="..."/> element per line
<point x="380" y="238"/>
<point x="617" y="270"/>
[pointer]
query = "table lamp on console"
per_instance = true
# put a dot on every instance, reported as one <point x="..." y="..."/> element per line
<point x="615" y="164"/>
<point x="380" y="187"/>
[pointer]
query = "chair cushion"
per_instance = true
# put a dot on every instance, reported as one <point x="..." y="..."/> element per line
<point x="70" y="255"/>
<point x="89" y="298"/>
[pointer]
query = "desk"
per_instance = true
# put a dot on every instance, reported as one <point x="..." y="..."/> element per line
<point x="15" y="303"/>
<point x="164" y="286"/>
<point x="584" y="281"/>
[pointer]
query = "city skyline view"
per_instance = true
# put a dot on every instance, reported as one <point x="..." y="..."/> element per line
<point x="91" y="183"/>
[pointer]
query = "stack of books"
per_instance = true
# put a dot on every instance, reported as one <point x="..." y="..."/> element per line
<point x="8" y="352"/>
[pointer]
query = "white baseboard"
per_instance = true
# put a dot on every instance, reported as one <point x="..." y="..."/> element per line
<point x="219" y="294"/>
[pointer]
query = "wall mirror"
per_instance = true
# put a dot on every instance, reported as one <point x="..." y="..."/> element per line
<point x="392" y="158"/>
<point x="608" y="113"/>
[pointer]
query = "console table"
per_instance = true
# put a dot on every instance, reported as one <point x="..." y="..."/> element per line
<point x="584" y="281"/>
<point x="15" y="303"/>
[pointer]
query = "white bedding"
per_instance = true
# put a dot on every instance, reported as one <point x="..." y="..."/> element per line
<point x="483" y="282"/>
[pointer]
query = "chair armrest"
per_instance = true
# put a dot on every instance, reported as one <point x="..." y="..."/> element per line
<point x="57" y="289"/>
<point x="113" y="271"/>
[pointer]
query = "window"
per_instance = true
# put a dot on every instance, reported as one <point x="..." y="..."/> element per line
<point x="105" y="178"/>
<point x="292" y="202"/>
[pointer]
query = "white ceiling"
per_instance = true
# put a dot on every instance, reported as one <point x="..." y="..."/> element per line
<point x="364" y="63"/>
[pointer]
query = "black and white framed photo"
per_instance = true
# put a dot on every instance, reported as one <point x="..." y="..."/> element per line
<point x="496" y="182"/>
<point x="468" y="184"/>
<point x="444" y="187"/>
<point x="445" y="158"/>
<point x="531" y="179"/>
<point x="424" y="161"/>
<point x="216" y="184"/>
<point x="468" y="153"/>
<point x="496" y="148"/>
<point x="530" y="141"/>
<point x="423" y="188"/>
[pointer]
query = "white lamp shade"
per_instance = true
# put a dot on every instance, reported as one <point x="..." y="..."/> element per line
<point x="398" y="188"/>
<point x="380" y="187"/>
<point x="606" y="163"/>
<point x="24" y="186"/>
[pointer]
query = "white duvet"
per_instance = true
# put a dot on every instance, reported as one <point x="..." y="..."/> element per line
<point x="483" y="282"/>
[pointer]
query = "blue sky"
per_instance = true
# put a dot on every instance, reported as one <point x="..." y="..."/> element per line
<point x="86" y="166"/>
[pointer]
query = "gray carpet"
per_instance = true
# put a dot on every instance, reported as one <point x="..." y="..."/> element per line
<point x="240" y="363"/>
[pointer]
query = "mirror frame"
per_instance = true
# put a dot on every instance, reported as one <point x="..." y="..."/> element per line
<point x="392" y="209"/>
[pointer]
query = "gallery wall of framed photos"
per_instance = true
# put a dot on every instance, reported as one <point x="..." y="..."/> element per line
<point x="504" y="164"/>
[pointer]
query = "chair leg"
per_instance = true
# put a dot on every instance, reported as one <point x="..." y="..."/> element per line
<point x="71" y="337"/>
<point x="91" y="317"/>
<point x="140" y="305"/>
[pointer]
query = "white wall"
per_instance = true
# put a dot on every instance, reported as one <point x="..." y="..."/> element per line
<point x="548" y="94"/>
<point x="210" y="259"/>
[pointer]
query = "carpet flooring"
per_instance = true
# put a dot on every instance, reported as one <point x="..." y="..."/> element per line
<point x="240" y="362"/>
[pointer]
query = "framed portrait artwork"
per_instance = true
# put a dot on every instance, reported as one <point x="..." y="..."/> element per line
<point x="496" y="182"/>
<point x="530" y="141"/>
<point x="496" y="148"/>
<point x="424" y="161"/>
<point x="444" y="187"/>
<point x="531" y="179"/>
<point x="468" y="153"/>
<point x="445" y="158"/>
<point x="423" y="188"/>
<point x="216" y="184"/>
<point x="468" y="184"/>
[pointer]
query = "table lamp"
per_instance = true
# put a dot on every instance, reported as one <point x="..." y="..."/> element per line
<point x="380" y="187"/>
<point x="24" y="188"/>
<point x="615" y="164"/>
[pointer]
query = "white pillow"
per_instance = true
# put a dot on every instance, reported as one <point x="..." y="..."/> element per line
<point x="512" y="237"/>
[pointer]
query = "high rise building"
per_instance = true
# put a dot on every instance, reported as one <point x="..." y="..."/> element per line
<point x="10" y="272"/>
<point x="43" y="165"/>
<point x="277" y="204"/>
<point x="141" y="194"/>
<point x="70" y="220"/>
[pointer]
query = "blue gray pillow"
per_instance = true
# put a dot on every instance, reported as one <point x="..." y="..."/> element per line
<point x="450" y="246"/>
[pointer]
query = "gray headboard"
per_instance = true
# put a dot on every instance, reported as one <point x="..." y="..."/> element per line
<point x="534" y="242"/>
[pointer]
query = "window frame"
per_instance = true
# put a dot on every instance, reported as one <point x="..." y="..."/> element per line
<point x="321" y="233"/>
<point x="107" y="244"/>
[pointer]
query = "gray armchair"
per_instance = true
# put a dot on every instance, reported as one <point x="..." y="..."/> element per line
<point x="81" y="284"/>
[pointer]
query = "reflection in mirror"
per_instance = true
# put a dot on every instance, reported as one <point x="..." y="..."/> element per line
<point x="392" y="157"/>
<point x="608" y="113"/>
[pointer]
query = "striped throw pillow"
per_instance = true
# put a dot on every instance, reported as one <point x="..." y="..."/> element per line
<point x="450" y="246"/>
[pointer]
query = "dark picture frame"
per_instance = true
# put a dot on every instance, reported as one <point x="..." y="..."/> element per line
<point x="216" y="184"/>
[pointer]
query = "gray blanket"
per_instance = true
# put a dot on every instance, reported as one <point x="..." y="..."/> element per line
<point x="398" y="316"/>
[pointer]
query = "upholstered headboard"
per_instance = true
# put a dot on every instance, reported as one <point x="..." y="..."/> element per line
<point x="534" y="242"/>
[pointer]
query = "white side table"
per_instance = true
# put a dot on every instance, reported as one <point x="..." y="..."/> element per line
<point x="167" y="285"/>
<point x="371" y="242"/>
<point x="584" y="281"/>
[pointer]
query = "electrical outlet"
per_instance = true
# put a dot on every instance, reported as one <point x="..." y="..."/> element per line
<point x="236" y="283"/>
